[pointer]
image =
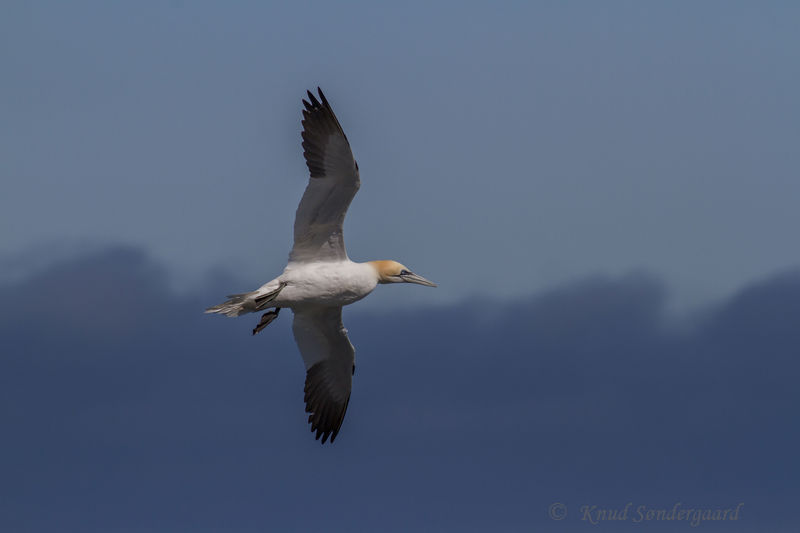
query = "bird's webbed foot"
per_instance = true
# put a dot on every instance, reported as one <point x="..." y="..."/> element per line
<point x="266" y="319"/>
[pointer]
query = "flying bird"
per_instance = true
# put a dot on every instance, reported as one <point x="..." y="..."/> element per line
<point x="320" y="278"/>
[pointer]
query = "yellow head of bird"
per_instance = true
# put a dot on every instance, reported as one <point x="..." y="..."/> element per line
<point x="394" y="272"/>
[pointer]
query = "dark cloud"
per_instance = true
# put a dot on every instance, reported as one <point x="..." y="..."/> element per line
<point x="124" y="408"/>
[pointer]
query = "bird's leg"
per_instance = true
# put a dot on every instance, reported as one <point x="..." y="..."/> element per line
<point x="266" y="319"/>
<point x="263" y="300"/>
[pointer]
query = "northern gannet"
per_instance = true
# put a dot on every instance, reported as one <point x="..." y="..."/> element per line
<point x="319" y="278"/>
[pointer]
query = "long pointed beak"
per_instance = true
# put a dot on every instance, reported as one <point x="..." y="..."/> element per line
<point x="414" y="278"/>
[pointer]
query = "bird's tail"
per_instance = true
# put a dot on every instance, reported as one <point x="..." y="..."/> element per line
<point x="236" y="304"/>
<point x="248" y="302"/>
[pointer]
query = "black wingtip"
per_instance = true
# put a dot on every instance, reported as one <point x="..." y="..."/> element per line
<point x="314" y="101"/>
<point x="322" y="97"/>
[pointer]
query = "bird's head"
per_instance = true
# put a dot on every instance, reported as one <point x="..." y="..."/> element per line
<point x="394" y="272"/>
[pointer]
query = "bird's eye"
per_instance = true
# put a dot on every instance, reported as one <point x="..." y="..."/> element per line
<point x="404" y="272"/>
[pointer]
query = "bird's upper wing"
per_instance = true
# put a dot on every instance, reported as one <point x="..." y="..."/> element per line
<point x="333" y="184"/>
<point x="330" y="363"/>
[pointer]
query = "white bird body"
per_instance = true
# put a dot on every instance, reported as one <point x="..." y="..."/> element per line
<point x="323" y="283"/>
<point x="319" y="278"/>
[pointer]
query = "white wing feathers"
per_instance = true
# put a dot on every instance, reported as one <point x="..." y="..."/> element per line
<point x="333" y="184"/>
<point x="330" y="363"/>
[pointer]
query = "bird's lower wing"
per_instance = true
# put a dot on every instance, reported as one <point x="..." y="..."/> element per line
<point x="330" y="362"/>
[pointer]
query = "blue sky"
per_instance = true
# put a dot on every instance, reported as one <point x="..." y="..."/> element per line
<point x="503" y="148"/>
<point x="606" y="194"/>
